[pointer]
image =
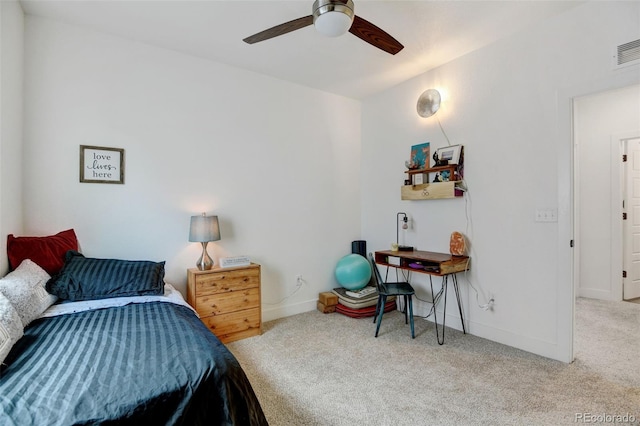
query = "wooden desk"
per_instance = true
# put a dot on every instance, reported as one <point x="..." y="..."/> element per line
<point x="434" y="264"/>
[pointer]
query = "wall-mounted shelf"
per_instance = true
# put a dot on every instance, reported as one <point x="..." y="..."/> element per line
<point x="431" y="191"/>
<point x="451" y="168"/>
<point x="434" y="190"/>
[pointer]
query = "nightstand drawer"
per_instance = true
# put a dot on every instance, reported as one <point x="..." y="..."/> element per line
<point x="230" y="301"/>
<point x="235" y="325"/>
<point x="224" y="281"/>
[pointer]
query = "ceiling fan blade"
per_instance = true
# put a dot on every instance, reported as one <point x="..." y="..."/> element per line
<point x="373" y="35"/>
<point x="279" y="30"/>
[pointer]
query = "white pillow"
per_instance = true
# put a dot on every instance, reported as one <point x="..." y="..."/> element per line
<point x="24" y="287"/>
<point x="10" y="327"/>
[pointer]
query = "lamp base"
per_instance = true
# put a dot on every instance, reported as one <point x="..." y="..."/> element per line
<point x="405" y="248"/>
<point x="205" y="262"/>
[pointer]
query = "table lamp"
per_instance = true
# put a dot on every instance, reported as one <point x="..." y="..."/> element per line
<point x="202" y="230"/>
<point x="405" y="226"/>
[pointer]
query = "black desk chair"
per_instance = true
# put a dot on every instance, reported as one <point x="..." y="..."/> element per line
<point x="397" y="289"/>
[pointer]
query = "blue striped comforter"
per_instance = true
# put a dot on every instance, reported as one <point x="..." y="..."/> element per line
<point x="151" y="363"/>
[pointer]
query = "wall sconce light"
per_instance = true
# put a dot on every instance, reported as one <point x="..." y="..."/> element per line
<point x="428" y="103"/>
<point x="202" y="230"/>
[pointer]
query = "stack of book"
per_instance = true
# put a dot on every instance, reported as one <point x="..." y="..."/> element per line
<point x="361" y="303"/>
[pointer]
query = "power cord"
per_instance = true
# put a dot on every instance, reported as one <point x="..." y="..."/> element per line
<point x="443" y="132"/>
<point x="434" y="302"/>
<point x="299" y="282"/>
<point x="468" y="230"/>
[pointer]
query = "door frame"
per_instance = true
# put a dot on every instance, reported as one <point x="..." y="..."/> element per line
<point x="567" y="214"/>
<point x="618" y="176"/>
<point x="621" y="141"/>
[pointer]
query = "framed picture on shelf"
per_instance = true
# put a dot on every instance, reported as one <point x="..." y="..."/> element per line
<point x="419" y="156"/>
<point x="449" y="154"/>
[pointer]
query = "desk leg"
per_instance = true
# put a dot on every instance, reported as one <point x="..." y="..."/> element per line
<point x="445" y="282"/>
<point x="439" y="336"/>
<point x="457" y="289"/>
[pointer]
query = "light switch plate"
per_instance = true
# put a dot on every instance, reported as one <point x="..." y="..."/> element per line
<point x="546" y="215"/>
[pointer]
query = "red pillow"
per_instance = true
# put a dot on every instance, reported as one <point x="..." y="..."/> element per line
<point x="46" y="252"/>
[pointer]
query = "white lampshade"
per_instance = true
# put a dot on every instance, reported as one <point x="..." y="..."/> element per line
<point x="333" y="23"/>
<point x="204" y="229"/>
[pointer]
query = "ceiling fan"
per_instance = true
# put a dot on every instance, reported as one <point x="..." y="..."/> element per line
<point x="334" y="18"/>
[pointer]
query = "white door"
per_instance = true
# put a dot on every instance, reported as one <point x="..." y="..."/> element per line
<point x="631" y="227"/>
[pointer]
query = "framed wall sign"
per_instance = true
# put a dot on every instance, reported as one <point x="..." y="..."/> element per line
<point x="99" y="164"/>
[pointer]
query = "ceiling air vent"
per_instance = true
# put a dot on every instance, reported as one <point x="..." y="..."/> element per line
<point x="627" y="54"/>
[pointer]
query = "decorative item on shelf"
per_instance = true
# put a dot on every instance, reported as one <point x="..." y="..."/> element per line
<point x="202" y="230"/>
<point x="457" y="244"/>
<point x="405" y="226"/>
<point x="419" y="156"/>
<point x="437" y="162"/>
<point x="411" y="165"/>
<point x="452" y="154"/>
<point x="442" y="176"/>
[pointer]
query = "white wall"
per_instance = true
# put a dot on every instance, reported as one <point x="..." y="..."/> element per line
<point x="600" y="120"/>
<point x="509" y="104"/>
<point x="11" y="67"/>
<point x="278" y="163"/>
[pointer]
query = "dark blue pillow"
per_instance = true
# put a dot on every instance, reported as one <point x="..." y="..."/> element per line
<point x="85" y="278"/>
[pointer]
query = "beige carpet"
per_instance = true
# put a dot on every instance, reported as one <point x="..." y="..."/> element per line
<point x="328" y="369"/>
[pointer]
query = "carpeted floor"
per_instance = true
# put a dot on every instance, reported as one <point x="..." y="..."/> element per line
<point x="328" y="369"/>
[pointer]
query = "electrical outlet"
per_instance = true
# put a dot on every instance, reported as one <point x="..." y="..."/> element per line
<point x="490" y="302"/>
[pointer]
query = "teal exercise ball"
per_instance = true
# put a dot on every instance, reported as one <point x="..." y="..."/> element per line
<point x="353" y="272"/>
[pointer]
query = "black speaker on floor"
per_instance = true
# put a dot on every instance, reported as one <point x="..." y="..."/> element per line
<point x="359" y="247"/>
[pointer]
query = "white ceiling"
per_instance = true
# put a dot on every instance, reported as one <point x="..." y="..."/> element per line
<point x="433" y="33"/>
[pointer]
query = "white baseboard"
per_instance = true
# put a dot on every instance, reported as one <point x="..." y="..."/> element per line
<point x="272" y="313"/>
<point x="539" y="347"/>
<point x="594" y="293"/>
<point x="528" y="344"/>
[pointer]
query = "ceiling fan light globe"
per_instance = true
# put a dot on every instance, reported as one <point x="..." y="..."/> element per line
<point x="332" y="18"/>
<point x="333" y="24"/>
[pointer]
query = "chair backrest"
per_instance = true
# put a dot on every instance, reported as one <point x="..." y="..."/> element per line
<point x="377" y="278"/>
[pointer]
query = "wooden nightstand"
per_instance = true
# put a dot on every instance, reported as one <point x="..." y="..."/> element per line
<point x="227" y="300"/>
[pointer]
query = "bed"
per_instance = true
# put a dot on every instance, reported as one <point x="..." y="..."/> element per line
<point x="122" y="359"/>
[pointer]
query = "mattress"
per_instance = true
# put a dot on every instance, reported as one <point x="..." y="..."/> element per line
<point x="136" y="363"/>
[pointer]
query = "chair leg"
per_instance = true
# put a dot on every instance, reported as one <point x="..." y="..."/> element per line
<point x="382" y="301"/>
<point x="406" y="313"/>
<point x="413" y="336"/>
<point x="375" y="315"/>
